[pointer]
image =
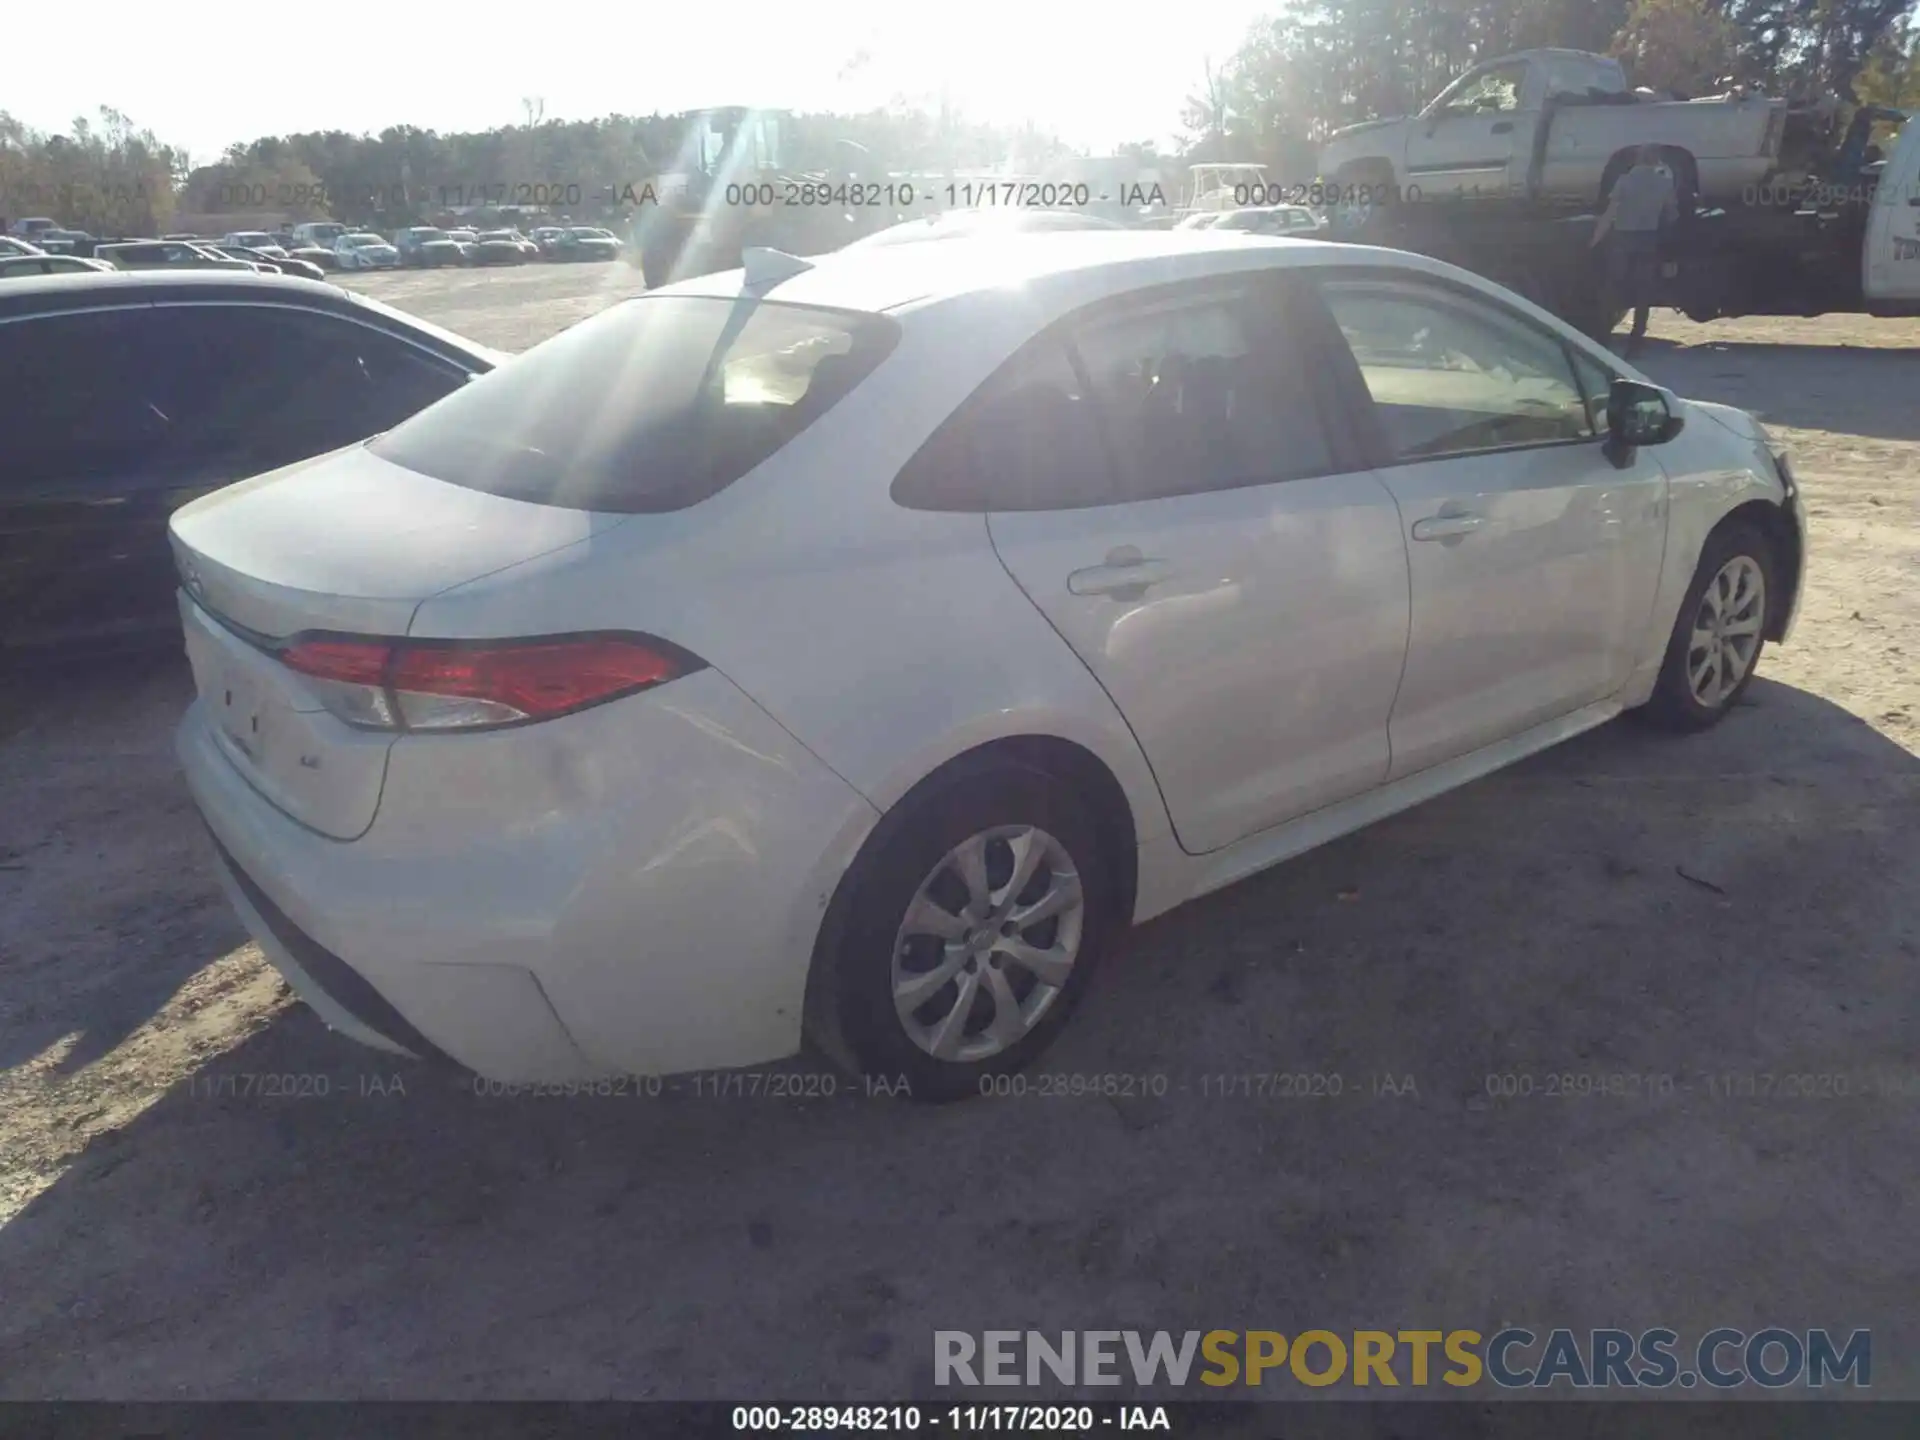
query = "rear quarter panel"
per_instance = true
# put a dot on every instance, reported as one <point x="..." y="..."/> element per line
<point x="1724" y="137"/>
<point x="886" y="640"/>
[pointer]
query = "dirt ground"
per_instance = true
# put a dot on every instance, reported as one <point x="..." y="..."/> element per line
<point x="1739" y="905"/>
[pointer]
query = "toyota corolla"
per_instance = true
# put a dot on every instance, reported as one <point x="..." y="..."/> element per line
<point x="852" y="648"/>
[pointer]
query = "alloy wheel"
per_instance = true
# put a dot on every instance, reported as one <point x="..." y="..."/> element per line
<point x="1726" y="631"/>
<point x="988" y="943"/>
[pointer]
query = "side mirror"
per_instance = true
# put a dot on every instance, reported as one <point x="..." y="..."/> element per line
<point x="1640" y="414"/>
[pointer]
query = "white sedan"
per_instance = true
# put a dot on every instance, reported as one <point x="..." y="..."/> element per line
<point x="853" y="648"/>
<point x="364" y="250"/>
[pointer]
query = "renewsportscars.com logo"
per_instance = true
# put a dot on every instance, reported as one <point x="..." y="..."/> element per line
<point x="1512" y="1358"/>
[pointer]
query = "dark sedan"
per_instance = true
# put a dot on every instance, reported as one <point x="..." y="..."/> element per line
<point x="280" y="264"/>
<point x="65" y="242"/>
<point x="318" y="256"/>
<point x="498" y="247"/>
<point x="584" y="242"/>
<point x="171" y="255"/>
<point x="129" y="394"/>
<point x="426" y="245"/>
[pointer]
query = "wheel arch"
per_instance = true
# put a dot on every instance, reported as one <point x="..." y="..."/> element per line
<point x="1685" y="166"/>
<point x="1367" y="168"/>
<point x="1063" y="759"/>
<point x="1069" y="760"/>
<point x="1776" y="522"/>
<point x="1698" y="511"/>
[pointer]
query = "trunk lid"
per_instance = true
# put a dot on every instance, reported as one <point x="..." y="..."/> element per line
<point x="345" y="542"/>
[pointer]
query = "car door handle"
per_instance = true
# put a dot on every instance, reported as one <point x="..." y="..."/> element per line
<point x="1126" y="570"/>
<point x="1502" y="127"/>
<point x="1445" y="527"/>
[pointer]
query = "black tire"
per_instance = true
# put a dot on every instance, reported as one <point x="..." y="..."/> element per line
<point x="1674" y="706"/>
<point x="1616" y="167"/>
<point x="1368" y="222"/>
<point x="1686" y="181"/>
<point x="851" y="1013"/>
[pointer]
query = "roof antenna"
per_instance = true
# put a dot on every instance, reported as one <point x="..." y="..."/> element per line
<point x="765" y="266"/>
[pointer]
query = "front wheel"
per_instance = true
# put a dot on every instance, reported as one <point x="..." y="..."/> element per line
<point x="1719" y="634"/>
<point x="966" y="932"/>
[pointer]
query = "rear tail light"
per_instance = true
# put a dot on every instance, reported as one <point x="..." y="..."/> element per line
<point x="473" y="685"/>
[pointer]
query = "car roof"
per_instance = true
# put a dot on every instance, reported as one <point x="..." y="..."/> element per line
<point x="892" y="279"/>
<point x="59" y="294"/>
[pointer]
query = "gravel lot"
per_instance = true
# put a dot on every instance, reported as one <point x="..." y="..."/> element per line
<point x="1744" y="903"/>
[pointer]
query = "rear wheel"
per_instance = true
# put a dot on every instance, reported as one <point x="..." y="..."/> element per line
<point x="965" y="934"/>
<point x="1364" y="198"/>
<point x="1719" y="634"/>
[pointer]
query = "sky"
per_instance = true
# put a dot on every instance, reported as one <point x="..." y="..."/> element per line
<point x="1096" y="75"/>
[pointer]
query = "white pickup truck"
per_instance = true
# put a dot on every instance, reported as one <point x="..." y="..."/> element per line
<point x="1844" y="239"/>
<point x="1555" y="125"/>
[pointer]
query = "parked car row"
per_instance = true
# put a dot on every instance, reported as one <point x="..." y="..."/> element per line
<point x="206" y="255"/>
<point x="313" y="248"/>
<point x="1258" y="220"/>
<point x="429" y="245"/>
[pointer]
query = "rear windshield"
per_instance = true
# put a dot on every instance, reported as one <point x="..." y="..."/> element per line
<point x="651" y="406"/>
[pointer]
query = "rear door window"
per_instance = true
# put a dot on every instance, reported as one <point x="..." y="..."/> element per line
<point x="651" y="406"/>
<point x="191" y="395"/>
<point x="81" y="408"/>
<point x="1172" y="391"/>
<point x="1028" y="439"/>
<point x="269" y="385"/>
<point x="1204" y="391"/>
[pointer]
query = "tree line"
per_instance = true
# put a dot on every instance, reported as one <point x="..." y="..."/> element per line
<point x="111" y="178"/>
<point x="1308" y="68"/>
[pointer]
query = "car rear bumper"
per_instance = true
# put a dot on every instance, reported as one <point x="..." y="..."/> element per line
<point x="332" y="987"/>
<point x="634" y="889"/>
